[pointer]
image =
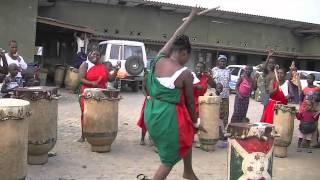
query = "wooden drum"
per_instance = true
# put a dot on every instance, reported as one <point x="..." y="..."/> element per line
<point x="14" y="115"/>
<point x="66" y="78"/>
<point x="100" y="117"/>
<point x="250" y="151"/>
<point x="43" y="121"/>
<point x="59" y="75"/>
<point x="209" y="119"/>
<point x="72" y="79"/>
<point x="284" y="124"/>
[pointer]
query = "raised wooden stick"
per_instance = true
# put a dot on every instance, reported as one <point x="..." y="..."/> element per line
<point x="203" y="12"/>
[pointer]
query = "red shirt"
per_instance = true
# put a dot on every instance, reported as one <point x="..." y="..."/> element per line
<point x="307" y="116"/>
<point x="197" y="92"/>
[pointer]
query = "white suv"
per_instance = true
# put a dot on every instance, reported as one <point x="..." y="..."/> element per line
<point x="131" y="55"/>
<point x="303" y="77"/>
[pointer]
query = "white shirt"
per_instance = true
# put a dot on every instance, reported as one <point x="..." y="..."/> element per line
<point x="168" y="82"/>
<point x="222" y="76"/>
<point x="82" y="43"/>
<point x="22" y="64"/>
<point x="285" y="88"/>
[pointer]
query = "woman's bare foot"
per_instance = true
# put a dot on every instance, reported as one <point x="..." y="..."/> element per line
<point x="142" y="143"/>
<point x="82" y="139"/>
<point x="190" y="176"/>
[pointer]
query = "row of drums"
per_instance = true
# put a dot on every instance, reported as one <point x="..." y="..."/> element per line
<point x="251" y="146"/>
<point x="28" y="124"/>
<point x="68" y="76"/>
<point x="209" y="114"/>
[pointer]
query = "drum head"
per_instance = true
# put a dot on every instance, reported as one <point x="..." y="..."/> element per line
<point x="10" y="102"/>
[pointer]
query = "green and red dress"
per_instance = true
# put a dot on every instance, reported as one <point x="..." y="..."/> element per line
<point x="167" y="119"/>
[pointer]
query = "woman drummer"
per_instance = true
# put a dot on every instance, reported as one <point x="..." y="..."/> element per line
<point x="93" y="74"/>
<point x="273" y="90"/>
<point x="170" y="101"/>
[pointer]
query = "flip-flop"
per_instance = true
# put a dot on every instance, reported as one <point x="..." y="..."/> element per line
<point x="142" y="177"/>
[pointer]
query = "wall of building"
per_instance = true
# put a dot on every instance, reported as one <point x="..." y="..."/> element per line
<point x="311" y="45"/>
<point x="150" y="23"/>
<point x="18" y="22"/>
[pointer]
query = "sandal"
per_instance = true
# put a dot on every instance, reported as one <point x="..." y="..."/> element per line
<point x="142" y="177"/>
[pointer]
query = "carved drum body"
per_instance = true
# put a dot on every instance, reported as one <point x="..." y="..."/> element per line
<point x="14" y="114"/>
<point x="43" y="121"/>
<point x="209" y="119"/>
<point x="100" y="115"/>
<point x="250" y="151"/>
<point x="284" y="124"/>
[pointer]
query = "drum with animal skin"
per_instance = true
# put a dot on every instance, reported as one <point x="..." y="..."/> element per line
<point x="43" y="121"/>
<point x="14" y="115"/>
<point x="209" y="119"/>
<point x="283" y="121"/>
<point x="100" y="117"/>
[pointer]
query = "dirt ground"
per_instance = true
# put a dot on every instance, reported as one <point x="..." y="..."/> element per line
<point x="75" y="161"/>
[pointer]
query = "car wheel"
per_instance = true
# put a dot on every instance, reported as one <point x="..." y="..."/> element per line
<point x="134" y="65"/>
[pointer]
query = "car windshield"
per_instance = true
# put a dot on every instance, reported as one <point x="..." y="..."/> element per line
<point x="303" y="75"/>
<point x="130" y="51"/>
<point x="234" y="71"/>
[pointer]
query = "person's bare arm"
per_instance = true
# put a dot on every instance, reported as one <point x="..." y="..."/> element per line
<point x="182" y="28"/>
<point x="113" y="76"/>
<point x="82" y="75"/>
<point x="237" y="88"/>
<point x="210" y="80"/>
<point x="75" y="35"/>
<point x="144" y="87"/>
<point x="4" y="67"/>
<point x="271" y="89"/>
<point x="188" y="92"/>
<point x="254" y="83"/>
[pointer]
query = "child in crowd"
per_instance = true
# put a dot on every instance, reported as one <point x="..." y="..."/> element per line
<point x="11" y="81"/>
<point x="308" y="124"/>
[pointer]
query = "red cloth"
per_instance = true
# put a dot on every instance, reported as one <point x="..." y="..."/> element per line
<point x="307" y="116"/>
<point x="141" y="119"/>
<point x="277" y="98"/>
<point x="197" y="92"/>
<point x="97" y="72"/>
<point x="307" y="91"/>
<point x="185" y="126"/>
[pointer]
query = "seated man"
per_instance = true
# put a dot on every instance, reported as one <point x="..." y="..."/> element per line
<point x="11" y="81"/>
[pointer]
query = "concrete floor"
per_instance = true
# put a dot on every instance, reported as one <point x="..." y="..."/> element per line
<point x="127" y="159"/>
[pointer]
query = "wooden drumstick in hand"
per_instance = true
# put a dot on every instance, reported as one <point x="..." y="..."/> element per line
<point x="204" y="12"/>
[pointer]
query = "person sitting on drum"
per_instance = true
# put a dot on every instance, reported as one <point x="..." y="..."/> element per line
<point x="93" y="74"/>
<point x="308" y="125"/>
<point x="11" y="81"/>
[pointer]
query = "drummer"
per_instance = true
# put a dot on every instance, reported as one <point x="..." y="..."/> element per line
<point x="274" y="91"/>
<point x="93" y="74"/>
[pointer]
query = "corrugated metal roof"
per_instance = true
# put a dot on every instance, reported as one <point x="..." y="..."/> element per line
<point x="293" y="55"/>
<point x="62" y="24"/>
<point x="179" y="8"/>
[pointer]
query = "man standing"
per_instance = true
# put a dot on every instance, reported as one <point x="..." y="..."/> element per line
<point x="222" y="75"/>
<point x="3" y="65"/>
<point x="80" y="58"/>
<point x="14" y="58"/>
<point x="82" y="41"/>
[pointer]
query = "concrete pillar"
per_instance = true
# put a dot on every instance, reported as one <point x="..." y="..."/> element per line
<point x="18" y="22"/>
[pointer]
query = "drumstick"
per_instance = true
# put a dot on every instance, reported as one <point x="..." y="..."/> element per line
<point x="203" y="12"/>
